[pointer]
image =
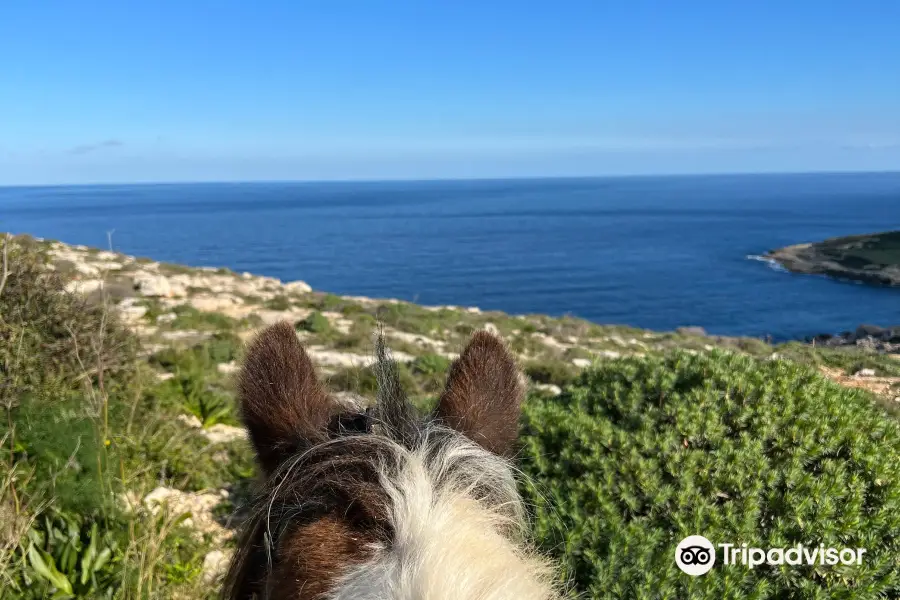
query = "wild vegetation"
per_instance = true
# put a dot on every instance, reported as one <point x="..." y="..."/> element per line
<point x="641" y="453"/>
<point x="123" y="471"/>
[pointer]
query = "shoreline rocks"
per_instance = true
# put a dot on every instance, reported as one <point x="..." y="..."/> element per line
<point x="871" y="337"/>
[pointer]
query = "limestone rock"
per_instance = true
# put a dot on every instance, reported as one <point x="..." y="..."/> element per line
<point x="158" y="286"/>
<point x="130" y="310"/>
<point x="223" y="434"/>
<point x="84" y="286"/>
<point x="190" y="420"/>
<point x="549" y="387"/>
<point x="228" y="368"/>
<point x="299" y="287"/>
<point x="200" y="505"/>
<point x="214" y="565"/>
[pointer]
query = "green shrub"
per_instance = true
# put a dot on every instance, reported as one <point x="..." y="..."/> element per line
<point x="196" y="385"/>
<point x="354" y="310"/>
<point x="327" y="302"/>
<point x="47" y="334"/>
<point x="360" y="380"/>
<point x="576" y="352"/>
<point x="641" y="453"/>
<point x="223" y="347"/>
<point x="430" y="364"/>
<point x="188" y="317"/>
<point x="551" y="371"/>
<point x="356" y="339"/>
<point x="431" y="370"/>
<point x="278" y="303"/>
<point x="69" y="555"/>
<point x="528" y="328"/>
<point x="316" y="322"/>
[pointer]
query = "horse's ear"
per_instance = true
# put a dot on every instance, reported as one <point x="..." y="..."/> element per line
<point x="484" y="393"/>
<point x="282" y="402"/>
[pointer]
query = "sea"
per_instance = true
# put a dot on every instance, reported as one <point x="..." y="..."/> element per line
<point x="652" y="252"/>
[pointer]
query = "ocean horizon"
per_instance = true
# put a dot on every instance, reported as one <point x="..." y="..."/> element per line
<point x="657" y="252"/>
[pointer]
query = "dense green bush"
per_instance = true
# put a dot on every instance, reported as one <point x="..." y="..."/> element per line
<point x="278" y="303"/>
<point x="188" y="317"/>
<point x="640" y="453"/>
<point x="431" y="370"/>
<point x="550" y="371"/>
<point x="47" y="335"/>
<point x="316" y="322"/>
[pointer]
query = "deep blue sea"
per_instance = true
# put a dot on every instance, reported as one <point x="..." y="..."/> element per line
<point x="654" y="252"/>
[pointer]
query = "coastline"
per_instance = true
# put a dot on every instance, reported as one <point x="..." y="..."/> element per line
<point x="873" y="259"/>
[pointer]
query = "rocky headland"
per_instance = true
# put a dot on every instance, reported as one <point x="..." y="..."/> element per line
<point x="871" y="258"/>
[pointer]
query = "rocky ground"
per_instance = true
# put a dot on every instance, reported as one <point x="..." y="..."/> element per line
<point x="879" y="339"/>
<point x="873" y="258"/>
<point x="176" y="307"/>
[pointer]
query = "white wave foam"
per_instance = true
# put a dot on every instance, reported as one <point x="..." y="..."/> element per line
<point x="772" y="263"/>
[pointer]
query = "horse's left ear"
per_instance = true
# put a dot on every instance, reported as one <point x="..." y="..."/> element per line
<point x="283" y="404"/>
<point x="484" y="393"/>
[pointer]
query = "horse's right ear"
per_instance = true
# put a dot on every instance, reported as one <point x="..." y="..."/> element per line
<point x="283" y="405"/>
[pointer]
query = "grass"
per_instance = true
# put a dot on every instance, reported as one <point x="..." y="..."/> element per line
<point x="189" y="318"/>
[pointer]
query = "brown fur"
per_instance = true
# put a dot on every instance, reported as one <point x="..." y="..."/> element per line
<point x="484" y="394"/>
<point x="321" y="508"/>
<point x="315" y="556"/>
<point x="282" y="403"/>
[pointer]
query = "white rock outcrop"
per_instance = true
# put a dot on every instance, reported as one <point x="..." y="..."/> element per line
<point x="297" y="287"/>
<point x="158" y="286"/>
<point x="199" y="505"/>
<point x="214" y="565"/>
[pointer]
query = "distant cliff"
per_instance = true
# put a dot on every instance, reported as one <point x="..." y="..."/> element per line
<point x="871" y="258"/>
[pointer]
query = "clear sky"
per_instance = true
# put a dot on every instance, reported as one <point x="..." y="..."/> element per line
<point x="196" y="90"/>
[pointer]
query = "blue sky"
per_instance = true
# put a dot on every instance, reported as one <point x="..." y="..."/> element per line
<point x="120" y="91"/>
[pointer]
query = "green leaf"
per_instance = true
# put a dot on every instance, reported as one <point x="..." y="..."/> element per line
<point x="88" y="556"/>
<point x="43" y="565"/>
<point x="102" y="559"/>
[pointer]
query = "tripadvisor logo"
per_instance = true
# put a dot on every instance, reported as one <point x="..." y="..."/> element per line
<point x="696" y="555"/>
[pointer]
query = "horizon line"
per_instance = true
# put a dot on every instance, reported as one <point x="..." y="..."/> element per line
<point x="455" y="179"/>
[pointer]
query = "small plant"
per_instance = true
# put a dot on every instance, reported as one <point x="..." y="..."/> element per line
<point x="188" y="317"/>
<point x="576" y="352"/>
<point x="550" y="371"/>
<point x="66" y="557"/>
<point x="353" y="310"/>
<point x="359" y="380"/>
<point x="331" y="302"/>
<point x="279" y="303"/>
<point x="316" y="322"/>
<point x="431" y="370"/>
<point x="223" y="347"/>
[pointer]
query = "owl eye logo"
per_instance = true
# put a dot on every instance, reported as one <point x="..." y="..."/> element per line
<point x="695" y="555"/>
